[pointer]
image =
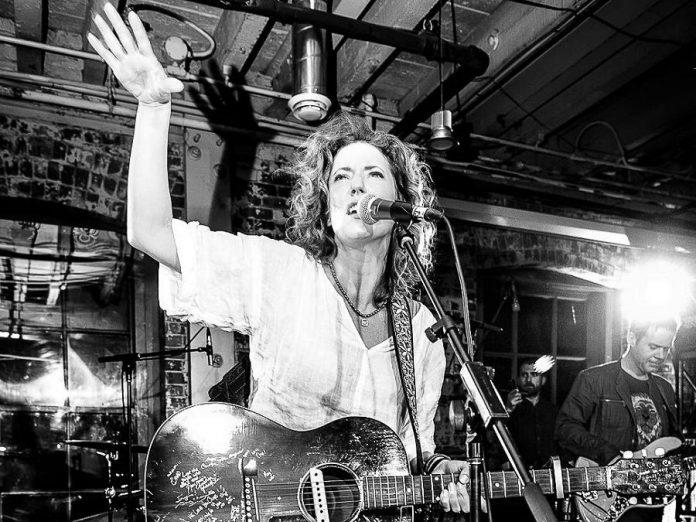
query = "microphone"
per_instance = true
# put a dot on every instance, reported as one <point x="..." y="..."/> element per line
<point x="372" y="209"/>
<point x="214" y="359"/>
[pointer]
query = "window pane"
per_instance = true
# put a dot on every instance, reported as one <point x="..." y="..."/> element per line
<point x="90" y="382"/>
<point x="567" y="371"/>
<point x="30" y="315"/>
<point x="35" y="458"/>
<point x="572" y="328"/>
<point x="31" y="370"/>
<point x="32" y="458"/>
<point x="535" y="325"/>
<point x="86" y="308"/>
<point x="494" y="341"/>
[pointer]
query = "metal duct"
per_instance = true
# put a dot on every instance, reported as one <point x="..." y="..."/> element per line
<point x="309" y="45"/>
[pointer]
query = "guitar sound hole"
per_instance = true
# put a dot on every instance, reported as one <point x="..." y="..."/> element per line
<point x="342" y="494"/>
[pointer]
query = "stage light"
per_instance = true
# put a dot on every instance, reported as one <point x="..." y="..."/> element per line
<point x="657" y="290"/>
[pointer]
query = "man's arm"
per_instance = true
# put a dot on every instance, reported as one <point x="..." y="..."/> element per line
<point x="571" y="431"/>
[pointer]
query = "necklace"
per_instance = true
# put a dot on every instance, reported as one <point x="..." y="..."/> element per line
<point x="363" y="317"/>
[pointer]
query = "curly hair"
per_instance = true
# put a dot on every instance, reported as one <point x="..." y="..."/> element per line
<point x="308" y="225"/>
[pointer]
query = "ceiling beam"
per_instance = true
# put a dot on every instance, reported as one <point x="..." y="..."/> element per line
<point x="236" y="35"/>
<point x="583" y="69"/>
<point x="518" y="28"/>
<point x="422" y="44"/>
<point x="674" y="240"/>
<point x="358" y="59"/>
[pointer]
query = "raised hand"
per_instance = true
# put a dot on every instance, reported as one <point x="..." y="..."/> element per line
<point x="130" y="56"/>
<point x="514" y="398"/>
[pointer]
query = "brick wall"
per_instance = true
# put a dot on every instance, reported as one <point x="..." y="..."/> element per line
<point x="177" y="390"/>
<point x="75" y="166"/>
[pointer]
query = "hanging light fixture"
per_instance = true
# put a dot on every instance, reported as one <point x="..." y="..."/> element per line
<point x="309" y="102"/>
<point x="441" y="135"/>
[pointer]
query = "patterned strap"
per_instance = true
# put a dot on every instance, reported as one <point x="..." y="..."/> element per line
<point x="400" y="325"/>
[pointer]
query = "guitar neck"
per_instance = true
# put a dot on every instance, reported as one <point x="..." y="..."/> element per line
<point x="505" y="484"/>
<point x="386" y="491"/>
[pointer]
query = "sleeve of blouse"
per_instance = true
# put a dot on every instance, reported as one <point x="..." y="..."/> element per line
<point x="222" y="277"/>
<point x="430" y="371"/>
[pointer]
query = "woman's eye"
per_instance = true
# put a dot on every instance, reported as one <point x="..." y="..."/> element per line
<point x="377" y="173"/>
<point x="340" y="175"/>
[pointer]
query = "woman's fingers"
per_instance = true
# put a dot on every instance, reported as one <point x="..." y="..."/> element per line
<point x="463" y="497"/>
<point x="453" y="499"/>
<point x="140" y="34"/>
<point x="109" y="37"/>
<point x="445" y="499"/>
<point x="102" y="51"/>
<point x="124" y="34"/>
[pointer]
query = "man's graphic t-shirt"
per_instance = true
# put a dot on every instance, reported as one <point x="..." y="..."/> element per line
<point x="648" y="421"/>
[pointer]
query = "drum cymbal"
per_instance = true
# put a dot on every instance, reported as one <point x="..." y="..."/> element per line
<point x="106" y="445"/>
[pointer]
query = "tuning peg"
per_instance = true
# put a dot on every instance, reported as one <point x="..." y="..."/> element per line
<point x="659" y="452"/>
<point x="627" y="454"/>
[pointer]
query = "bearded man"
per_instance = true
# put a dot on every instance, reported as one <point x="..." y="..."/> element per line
<point x="532" y="417"/>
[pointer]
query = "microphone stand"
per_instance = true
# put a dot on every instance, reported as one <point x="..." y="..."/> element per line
<point x="481" y="390"/>
<point x="128" y="361"/>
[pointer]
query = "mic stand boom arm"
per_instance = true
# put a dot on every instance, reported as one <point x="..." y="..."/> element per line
<point x="481" y="390"/>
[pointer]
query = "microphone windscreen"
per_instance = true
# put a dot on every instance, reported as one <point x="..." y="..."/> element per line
<point x="364" y="213"/>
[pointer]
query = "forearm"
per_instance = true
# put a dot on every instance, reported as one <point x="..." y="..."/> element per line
<point x="149" y="204"/>
<point x="578" y="441"/>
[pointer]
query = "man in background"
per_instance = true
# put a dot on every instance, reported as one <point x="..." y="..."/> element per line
<point x="531" y="424"/>
<point x="623" y="405"/>
<point x="532" y="417"/>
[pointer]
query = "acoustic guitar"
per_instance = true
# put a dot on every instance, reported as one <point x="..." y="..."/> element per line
<point x="217" y="461"/>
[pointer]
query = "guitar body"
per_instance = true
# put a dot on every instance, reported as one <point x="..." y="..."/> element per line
<point x="217" y="461"/>
<point x="598" y="506"/>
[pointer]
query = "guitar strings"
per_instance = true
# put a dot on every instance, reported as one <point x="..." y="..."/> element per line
<point x="376" y="484"/>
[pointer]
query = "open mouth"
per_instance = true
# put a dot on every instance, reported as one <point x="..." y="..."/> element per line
<point x="352" y="208"/>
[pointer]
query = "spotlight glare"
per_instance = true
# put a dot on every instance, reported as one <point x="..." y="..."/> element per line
<point x="655" y="291"/>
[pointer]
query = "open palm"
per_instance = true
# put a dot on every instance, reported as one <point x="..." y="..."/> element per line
<point x="131" y="58"/>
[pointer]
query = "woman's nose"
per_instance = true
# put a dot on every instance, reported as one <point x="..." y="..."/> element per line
<point x="357" y="185"/>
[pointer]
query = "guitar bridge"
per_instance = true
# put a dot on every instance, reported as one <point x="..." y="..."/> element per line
<point x="249" y="500"/>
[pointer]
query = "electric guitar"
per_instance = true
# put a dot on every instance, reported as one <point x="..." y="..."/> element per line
<point x="217" y="461"/>
<point x="599" y="506"/>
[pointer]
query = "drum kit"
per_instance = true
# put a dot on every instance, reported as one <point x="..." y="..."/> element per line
<point x="118" y="499"/>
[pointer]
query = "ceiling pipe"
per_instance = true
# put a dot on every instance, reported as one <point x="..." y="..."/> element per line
<point x="193" y="121"/>
<point x="582" y="159"/>
<point x="51" y="48"/>
<point x="102" y="92"/>
<point x="424" y="44"/>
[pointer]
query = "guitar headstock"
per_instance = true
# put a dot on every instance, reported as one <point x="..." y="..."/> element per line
<point x="664" y="475"/>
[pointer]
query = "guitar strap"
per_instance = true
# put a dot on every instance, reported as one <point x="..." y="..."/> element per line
<point x="400" y="328"/>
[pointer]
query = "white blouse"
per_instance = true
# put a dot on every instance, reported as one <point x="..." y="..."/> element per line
<point x="309" y="364"/>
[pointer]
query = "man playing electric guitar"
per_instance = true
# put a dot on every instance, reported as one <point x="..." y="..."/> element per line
<point x="622" y="405"/>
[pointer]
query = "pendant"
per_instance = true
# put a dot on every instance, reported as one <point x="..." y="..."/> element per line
<point x="363" y="322"/>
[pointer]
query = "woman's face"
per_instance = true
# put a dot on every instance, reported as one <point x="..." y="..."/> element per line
<point x="358" y="168"/>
